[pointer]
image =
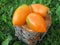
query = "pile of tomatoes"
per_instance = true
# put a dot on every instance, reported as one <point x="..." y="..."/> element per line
<point x="33" y="16"/>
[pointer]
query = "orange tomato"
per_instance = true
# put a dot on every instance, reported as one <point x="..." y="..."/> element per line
<point x="40" y="9"/>
<point x="36" y="22"/>
<point x="20" y="14"/>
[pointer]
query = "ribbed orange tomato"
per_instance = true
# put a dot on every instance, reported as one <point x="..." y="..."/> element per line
<point x="20" y="14"/>
<point x="40" y="9"/>
<point x="36" y="22"/>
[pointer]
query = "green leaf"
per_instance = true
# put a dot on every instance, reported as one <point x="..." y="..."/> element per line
<point x="58" y="11"/>
<point x="49" y="2"/>
<point x="4" y="18"/>
<point x="11" y="11"/>
<point x="41" y="1"/>
<point x="6" y="41"/>
<point x="35" y="1"/>
<point x="2" y="36"/>
<point x="17" y="43"/>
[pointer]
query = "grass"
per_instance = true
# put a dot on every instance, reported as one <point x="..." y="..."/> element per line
<point x="7" y="8"/>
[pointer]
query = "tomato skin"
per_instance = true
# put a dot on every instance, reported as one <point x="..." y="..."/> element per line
<point x="20" y="14"/>
<point x="36" y="22"/>
<point x="40" y="9"/>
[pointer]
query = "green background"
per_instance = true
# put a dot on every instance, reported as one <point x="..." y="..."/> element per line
<point x="7" y="7"/>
